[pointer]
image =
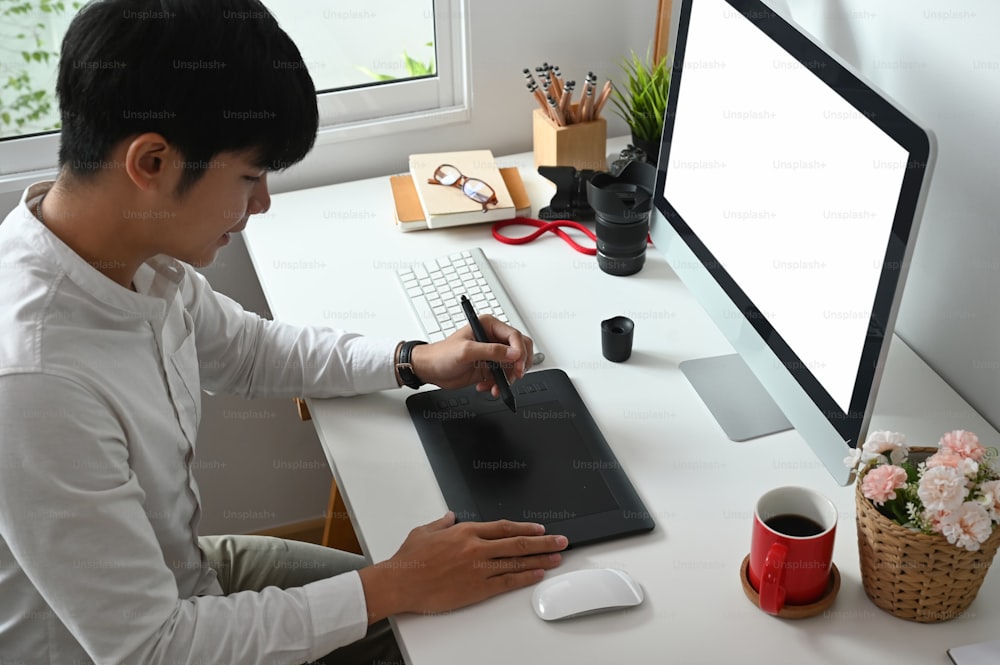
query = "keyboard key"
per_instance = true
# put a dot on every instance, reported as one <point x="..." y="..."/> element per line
<point x="423" y="311"/>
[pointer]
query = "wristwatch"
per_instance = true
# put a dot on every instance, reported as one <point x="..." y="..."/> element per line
<point x="405" y="368"/>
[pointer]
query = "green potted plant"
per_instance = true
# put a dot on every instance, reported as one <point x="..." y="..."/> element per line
<point x="642" y="101"/>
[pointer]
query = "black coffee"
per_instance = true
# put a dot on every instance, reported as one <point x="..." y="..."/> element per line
<point x="794" y="525"/>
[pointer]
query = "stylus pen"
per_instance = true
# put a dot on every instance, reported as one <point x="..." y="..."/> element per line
<point x="506" y="394"/>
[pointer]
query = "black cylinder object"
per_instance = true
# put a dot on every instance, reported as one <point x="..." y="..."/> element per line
<point x="621" y="206"/>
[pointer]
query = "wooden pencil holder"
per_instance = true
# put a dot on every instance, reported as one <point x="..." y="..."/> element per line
<point x="582" y="145"/>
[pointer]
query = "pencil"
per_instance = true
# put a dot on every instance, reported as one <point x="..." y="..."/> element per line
<point x="528" y="77"/>
<point x="557" y="82"/>
<point x="559" y="117"/>
<point x="605" y="93"/>
<point x="567" y="99"/>
<point x="533" y="88"/>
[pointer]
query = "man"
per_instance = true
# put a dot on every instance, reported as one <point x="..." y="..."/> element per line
<point x="174" y="112"/>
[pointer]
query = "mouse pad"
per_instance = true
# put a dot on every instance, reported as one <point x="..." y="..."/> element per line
<point x="547" y="463"/>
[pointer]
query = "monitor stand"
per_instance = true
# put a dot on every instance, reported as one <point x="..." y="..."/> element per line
<point x="735" y="397"/>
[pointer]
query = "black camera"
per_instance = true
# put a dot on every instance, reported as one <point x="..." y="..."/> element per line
<point x="620" y="201"/>
<point x="570" y="200"/>
<point x="625" y="157"/>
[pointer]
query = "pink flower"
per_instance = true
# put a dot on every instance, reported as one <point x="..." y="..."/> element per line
<point x="880" y="484"/>
<point x="950" y="458"/>
<point x="964" y="443"/>
<point x="942" y="488"/>
<point x="968" y="526"/>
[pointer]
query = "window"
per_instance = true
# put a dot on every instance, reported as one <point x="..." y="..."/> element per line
<point x="376" y="61"/>
<point x="378" y="66"/>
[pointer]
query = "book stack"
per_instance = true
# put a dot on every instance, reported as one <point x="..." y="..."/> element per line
<point x="422" y="205"/>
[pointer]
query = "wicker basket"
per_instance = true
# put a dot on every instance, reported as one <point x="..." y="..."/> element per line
<point x="913" y="575"/>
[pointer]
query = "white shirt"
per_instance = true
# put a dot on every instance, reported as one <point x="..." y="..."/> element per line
<point x="99" y="406"/>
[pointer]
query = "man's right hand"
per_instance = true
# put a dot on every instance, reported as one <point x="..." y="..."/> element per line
<point x="442" y="566"/>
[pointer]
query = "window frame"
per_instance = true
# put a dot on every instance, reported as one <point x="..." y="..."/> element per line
<point x="345" y="115"/>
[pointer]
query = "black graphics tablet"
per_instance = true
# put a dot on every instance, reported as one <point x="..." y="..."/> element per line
<point x="547" y="463"/>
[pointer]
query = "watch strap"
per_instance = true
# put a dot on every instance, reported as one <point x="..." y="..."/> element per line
<point x="405" y="368"/>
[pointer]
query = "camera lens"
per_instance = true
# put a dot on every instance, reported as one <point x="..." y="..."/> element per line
<point x="621" y="208"/>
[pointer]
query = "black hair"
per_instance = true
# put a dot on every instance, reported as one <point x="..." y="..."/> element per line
<point x="209" y="75"/>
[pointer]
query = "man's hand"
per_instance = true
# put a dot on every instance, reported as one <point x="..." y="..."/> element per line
<point x="459" y="360"/>
<point x="442" y="566"/>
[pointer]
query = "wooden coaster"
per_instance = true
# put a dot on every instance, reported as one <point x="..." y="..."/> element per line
<point x="794" y="611"/>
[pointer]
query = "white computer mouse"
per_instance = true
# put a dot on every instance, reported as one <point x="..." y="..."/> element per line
<point x="585" y="592"/>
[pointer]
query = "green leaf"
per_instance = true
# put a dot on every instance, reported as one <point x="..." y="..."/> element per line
<point x="413" y="68"/>
<point x="417" y="68"/>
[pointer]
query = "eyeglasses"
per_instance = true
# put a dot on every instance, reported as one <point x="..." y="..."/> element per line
<point x="474" y="188"/>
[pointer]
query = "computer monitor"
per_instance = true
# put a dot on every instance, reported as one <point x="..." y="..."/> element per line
<point x="787" y="199"/>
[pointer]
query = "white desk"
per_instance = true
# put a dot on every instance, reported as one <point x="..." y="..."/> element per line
<point x="326" y="256"/>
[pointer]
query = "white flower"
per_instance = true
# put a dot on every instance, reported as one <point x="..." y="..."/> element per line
<point x="968" y="468"/>
<point x="883" y="442"/>
<point x="968" y="526"/>
<point x="853" y="459"/>
<point x="990" y="499"/>
<point x="942" y="488"/>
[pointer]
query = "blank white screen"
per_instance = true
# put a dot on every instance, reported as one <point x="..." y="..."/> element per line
<point x="787" y="185"/>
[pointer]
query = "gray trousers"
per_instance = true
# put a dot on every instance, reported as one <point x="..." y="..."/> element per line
<point x="250" y="563"/>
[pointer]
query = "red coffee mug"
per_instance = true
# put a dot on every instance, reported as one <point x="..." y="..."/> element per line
<point x="791" y="550"/>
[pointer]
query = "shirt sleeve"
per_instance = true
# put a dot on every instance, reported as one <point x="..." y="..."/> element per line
<point x="244" y="354"/>
<point x="72" y="516"/>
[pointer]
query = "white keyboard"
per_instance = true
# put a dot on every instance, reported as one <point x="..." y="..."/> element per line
<point x="433" y="288"/>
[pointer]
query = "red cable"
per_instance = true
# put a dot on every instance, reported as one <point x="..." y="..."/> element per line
<point x="553" y="226"/>
<point x="541" y="227"/>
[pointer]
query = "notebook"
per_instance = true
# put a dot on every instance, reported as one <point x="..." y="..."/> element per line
<point x="444" y="205"/>
<point x="409" y="213"/>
